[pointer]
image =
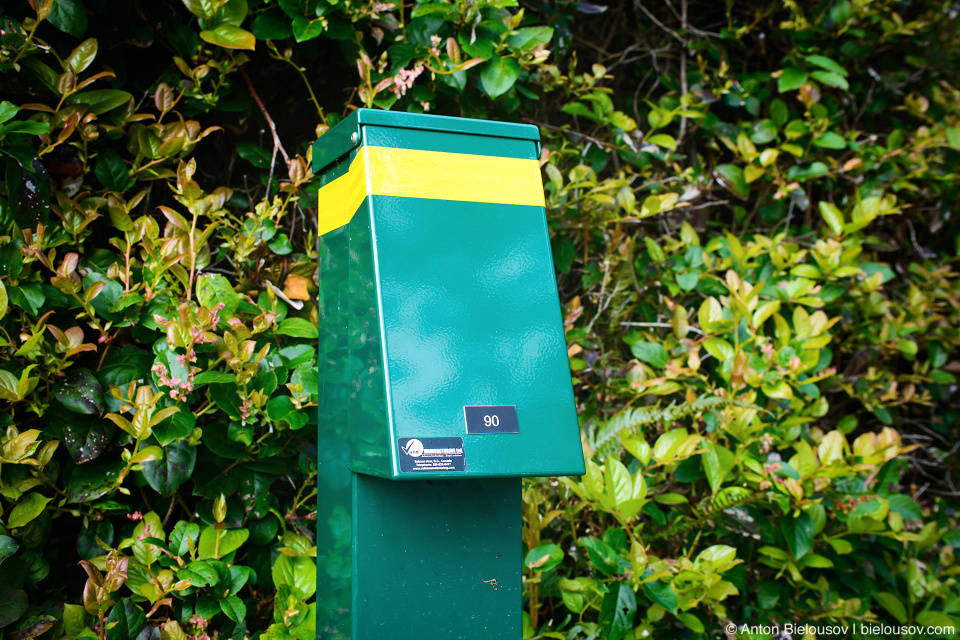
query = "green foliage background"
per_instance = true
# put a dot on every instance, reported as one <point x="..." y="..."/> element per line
<point x="751" y="209"/>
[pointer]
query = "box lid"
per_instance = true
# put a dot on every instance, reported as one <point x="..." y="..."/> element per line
<point x="346" y="135"/>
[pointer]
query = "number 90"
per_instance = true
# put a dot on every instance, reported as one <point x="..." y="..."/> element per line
<point x="491" y="421"/>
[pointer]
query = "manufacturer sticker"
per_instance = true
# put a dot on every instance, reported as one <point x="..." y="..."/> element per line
<point x="431" y="454"/>
<point x="491" y="419"/>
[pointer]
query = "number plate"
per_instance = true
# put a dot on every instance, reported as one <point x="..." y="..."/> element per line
<point x="491" y="419"/>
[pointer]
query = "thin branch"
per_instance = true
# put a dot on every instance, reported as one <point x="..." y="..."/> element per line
<point x="660" y="325"/>
<point x="273" y="128"/>
<point x="660" y="24"/>
<point x="683" y="65"/>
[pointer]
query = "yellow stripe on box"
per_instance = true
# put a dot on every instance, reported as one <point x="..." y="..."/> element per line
<point x="434" y="175"/>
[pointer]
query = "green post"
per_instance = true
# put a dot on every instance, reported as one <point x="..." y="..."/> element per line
<point x="444" y="374"/>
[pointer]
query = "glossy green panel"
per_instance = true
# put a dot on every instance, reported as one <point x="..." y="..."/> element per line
<point x="368" y="423"/>
<point x="437" y="560"/>
<point x="471" y="317"/>
<point x="336" y="143"/>
<point x="334" y="488"/>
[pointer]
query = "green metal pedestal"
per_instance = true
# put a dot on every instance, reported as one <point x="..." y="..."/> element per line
<point x="444" y="376"/>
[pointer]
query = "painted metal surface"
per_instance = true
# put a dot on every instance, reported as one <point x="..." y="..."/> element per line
<point x="437" y="293"/>
<point x="458" y="294"/>
<point x="438" y="560"/>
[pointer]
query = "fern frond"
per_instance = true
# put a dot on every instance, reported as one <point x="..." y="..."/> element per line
<point x="701" y="520"/>
<point x="607" y="434"/>
<point x="604" y="439"/>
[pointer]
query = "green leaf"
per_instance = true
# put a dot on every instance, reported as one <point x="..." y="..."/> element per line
<point x="230" y="540"/>
<point x="617" y="481"/>
<point x="80" y="392"/>
<point x="28" y="194"/>
<point x="798" y="533"/>
<point x="8" y="546"/>
<point x="208" y="377"/>
<point x="239" y="576"/>
<point x="13" y="604"/>
<point x="129" y="621"/>
<point x="953" y="137"/>
<point x="74" y="619"/>
<point x="102" y="100"/>
<point x="763" y="131"/>
<point x="7" y="110"/>
<point x="231" y="12"/>
<point x="832" y="216"/>
<point x="791" y="79"/>
<point x="543" y="558"/>
<point x="69" y="16"/>
<point x="905" y="506"/>
<point x="826" y="63"/>
<point x="304" y="30"/>
<point x="579" y="109"/>
<point x="199" y="572"/>
<point x="617" y="610"/>
<point x="111" y="171"/>
<point x="254" y="154"/>
<point x="663" y="140"/>
<point x="719" y="349"/>
<point x="214" y="289"/>
<point x="3" y="301"/>
<point x="779" y="112"/>
<point x="299" y="572"/>
<point x="298" y="328"/>
<point x="28" y="127"/>
<point x="81" y="57"/>
<point x="27" y="508"/>
<point x="271" y="25"/>
<point x="830" y="140"/>
<point x="731" y="178"/>
<point x="807" y="172"/>
<point x="182" y="532"/>
<point x="602" y="556"/>
<point x="651" y="353"/>
<point x="174" y="427"/>
<point x="529" y="37"/>
<point x="498" y="75"/>
<point x="930" y="618"/>
<point x="831" y="79"/>
<point x="91" y="480"/>
<point x="717" y="462"/>
<point x="691" y="622"/>
<point x="428" y="8"/>
<point x="33" y="627"/>
<point x="176" y="467"/>
<point x="281" y="408"/>
<point x="233" y="607"/>
<point x="662" y="594"/>
<point x="230" y="37"/>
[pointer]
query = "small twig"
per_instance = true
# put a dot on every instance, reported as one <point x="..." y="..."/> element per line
<point x="683" y="65"/>
<point x="660" y="325"/>
<point x="603" y="288"/>
<point x="660" y="24"/>
<point x="707" y="205"/>
<point x="166" y="518"/>
<point x="273" y="128"/>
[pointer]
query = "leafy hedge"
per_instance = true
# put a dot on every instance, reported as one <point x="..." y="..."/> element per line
<point x="751" y="208"/>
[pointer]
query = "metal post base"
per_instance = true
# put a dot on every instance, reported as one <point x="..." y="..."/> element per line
<point x="436" y="559"/>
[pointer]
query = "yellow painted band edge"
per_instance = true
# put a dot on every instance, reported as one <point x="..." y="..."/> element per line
<point x="433" y="175"/>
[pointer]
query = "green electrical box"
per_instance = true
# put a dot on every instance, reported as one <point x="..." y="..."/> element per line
<point x="443" y="373"/>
